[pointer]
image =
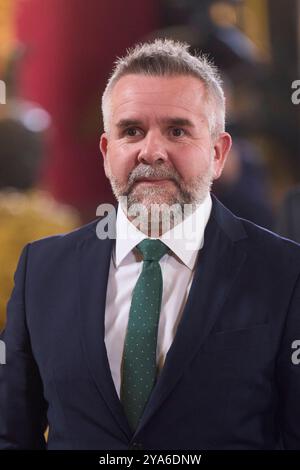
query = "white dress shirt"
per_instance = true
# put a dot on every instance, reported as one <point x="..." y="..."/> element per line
<point x="177" y="267"/>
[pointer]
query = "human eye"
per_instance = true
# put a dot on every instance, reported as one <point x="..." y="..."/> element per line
<point x="177" y="132"/>
<point x="132" y="132"/>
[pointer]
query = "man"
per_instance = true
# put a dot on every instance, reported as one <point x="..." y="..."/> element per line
<point x="183" y="340"/>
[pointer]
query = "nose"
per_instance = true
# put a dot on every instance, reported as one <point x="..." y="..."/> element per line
<point x="153" y="149"/>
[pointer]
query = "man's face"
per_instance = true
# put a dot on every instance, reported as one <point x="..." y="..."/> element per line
<point x="159" y="149"/>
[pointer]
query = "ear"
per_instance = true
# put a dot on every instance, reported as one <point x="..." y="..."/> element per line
<point x="222" y="146"/>
<point x="103" y="148"/>
<point x="103" y="144"/>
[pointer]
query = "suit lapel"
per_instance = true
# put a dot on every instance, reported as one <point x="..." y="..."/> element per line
<point x="217" y="268"/>
<point x="94" y="262"/>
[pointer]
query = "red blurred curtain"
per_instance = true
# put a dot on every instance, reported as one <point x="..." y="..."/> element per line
<point x="69" y="49"/>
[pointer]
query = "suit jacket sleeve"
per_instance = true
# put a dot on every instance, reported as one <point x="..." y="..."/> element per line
<point x="289" y="376"/>
<point x="22" y="406"/>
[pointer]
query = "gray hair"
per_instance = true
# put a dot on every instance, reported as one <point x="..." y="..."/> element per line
<point x="165" y="57"/>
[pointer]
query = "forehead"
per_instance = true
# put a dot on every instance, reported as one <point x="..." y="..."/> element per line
<point x="140" y="94"/>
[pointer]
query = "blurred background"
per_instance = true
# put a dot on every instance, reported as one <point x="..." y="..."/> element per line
<point x="55" y="58"/>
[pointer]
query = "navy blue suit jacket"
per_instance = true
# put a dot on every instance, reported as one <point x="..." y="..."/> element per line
<point x="228" y="382"/>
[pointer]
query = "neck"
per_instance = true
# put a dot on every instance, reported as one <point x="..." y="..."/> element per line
<point x="154" y="223"/>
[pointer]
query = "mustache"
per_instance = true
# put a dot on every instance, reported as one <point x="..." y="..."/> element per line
<point x="145" y="171"/>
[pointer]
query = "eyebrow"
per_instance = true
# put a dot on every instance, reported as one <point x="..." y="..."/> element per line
<point x="176" y="121"/>
<point x="123" y="123"/>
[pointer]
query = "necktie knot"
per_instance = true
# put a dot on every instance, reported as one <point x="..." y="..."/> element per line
<point x="152" y="250"/>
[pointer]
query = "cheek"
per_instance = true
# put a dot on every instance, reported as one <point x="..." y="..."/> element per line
<point x="121" y="159"/>
<point x="190" y="164"/>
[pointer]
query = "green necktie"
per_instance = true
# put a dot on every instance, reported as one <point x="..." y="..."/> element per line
<point x="139" y="356"/>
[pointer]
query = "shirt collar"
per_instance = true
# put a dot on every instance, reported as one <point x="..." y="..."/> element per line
<point x="185" y="239"/>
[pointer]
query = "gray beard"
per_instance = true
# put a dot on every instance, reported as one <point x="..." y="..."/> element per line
<point x="154" y="210"/>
